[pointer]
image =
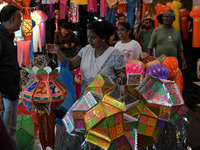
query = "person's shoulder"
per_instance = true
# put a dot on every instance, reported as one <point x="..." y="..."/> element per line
<point x="175" y="30"/>
<point x="134" y="42"/>
<point x="158" y="29"/>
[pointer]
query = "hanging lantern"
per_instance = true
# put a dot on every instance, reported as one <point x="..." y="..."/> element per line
<point x="74" y="12"/>
<point x="157" y="8"/>
<point x="46" y="93"/>
<point x="176" y="5"/>
<point x="25" y="132"/>
<point x="112" y="3"/>
<point x="57" y="15"/>
<point x="175" y="73"/>
<point x="155" y="69"/>
<point x="26" y="4"/>
<point x="195" y="14"/>
<point x="168" y="6"/>
<point x="162" y="9"/>
<point x="121" y="8"/>
<point x="184" y="23"/>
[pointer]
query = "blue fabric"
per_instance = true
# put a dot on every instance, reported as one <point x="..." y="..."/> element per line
<point x="67" y="79"/>
<point x="111" y="15"/>
<point x="31" y="53"/>
<point x="130" y="11"/>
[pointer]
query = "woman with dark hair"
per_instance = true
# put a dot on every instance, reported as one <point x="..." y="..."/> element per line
<point x="130" y="48"/>
<point x="66" y="39"/>
<point x="96" y="57"/>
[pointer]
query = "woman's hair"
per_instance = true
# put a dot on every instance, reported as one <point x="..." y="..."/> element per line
<point x="120" y="15"/>
<point x="159" y="18"/>
<point x="126" y="25"/>
<point x="7" y="12"/>
<point x="103" y="29"/>
<point x="64" y="25"/>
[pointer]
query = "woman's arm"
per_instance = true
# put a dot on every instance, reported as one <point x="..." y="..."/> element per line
<point x="54" y="49"/>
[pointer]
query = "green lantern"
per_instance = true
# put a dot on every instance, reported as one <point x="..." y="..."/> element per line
<point x="25" y="132"/>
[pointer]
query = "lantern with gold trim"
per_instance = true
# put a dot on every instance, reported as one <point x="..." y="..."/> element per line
<point x="46" y="93"/>
<point x="175" y="73"/>
<point x="101" y="84"/>
<point x="105" y="122"/>
<point x="195" y="14"/>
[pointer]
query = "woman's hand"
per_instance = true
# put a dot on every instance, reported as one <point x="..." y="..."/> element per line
<point x="66" y="46"/>
<point x="52" y="48"/>
<point x="143" y="56"/>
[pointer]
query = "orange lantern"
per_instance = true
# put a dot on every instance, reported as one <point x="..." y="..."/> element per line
<point x="176" y="5"/>
<point x="157" y="8"/>
<point x="184" y="23"/>
<point x="168" y="6"/>
<point x="161" y="9"/>
<point x="121" y="8"/>
<point x="175" y="73"/>
<point x="195" y="14"/>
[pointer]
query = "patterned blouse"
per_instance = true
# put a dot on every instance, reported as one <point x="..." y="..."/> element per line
<point x="114" y="62"/>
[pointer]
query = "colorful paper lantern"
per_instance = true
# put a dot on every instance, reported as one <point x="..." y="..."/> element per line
<point x="44" y="90"/>
<point x="25" y="132"/>
<point x="46" y="93"/>
<point x="112" y="3"/>
<point x="155" y="69"/>
<point x="74" y="12"/>
<point x="135" y="66"/>
<point x="168" y="6"/>
<point x="102" y="84"/>
<point x="104" y="122"/>
<point x="184" y="23"/>
<point x="176" y="5"/>
<point x="175" y="73"/>
<point x="84" y="103"/>
<point x="157" y="8"/>
<point x="195" y="14"/>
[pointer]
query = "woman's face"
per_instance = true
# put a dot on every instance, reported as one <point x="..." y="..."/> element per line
<point x="122" y="32"/>
<point x="94" y="40"/>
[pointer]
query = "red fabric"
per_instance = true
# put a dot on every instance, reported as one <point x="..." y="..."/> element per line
<point x="184" y="23"/>
<point x="77" y="85"/>
<point x="23" y="46"/>
<point x="46" y="129"/>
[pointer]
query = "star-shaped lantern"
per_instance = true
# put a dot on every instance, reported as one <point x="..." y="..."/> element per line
<point x="105" y="122"/>
<point x="102" y="84"/>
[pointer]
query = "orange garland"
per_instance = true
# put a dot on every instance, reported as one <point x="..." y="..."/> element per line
<point x="195" y="14"/>
<point x="184" y="23"/>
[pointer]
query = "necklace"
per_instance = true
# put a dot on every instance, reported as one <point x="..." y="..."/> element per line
<point x="97" y="55"/>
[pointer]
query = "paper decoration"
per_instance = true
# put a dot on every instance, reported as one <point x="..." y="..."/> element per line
<point x="45" y="94"/>
<point x="177" y="112"/>
<point x="104" y="122"/>
<point x="135" y="66"/>
<point x="155" y="69"/>
<point x="176" y="5"/>
<point x="78" y="119"/>
<point x="184" y="23"/>
<point x="74" y="11"/>
<point x="195" y="14"/>
<point x="175" y="73"/>
<point x="127" y="98"/>
<point x="126" y="142"/>
<point x="102" y="84"/>
<point x="84" y="103"/>
<point x="145" y="141"/>
<point x="26" y="26"/>
<point x="25" y="132"/>
<point x="112" y="3"/>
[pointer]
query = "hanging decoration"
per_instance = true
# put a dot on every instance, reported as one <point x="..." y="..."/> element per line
<point x="106" y="125"/>
<point x="102" y="84"/>
<point x="175" y="73"/>
<point x="121" y="7"/>
<point x="46" y="93"/>
<point x="57" y="15"/>
<point x="195" y="14"/>
<point x="92" y="6"/>
<point x="157" y="8"/>
<point x="74" y="12"/>
<point x="112" y="3"/>
<point x="137" y="19"/>
<point x="184" y="23"/>
<point x="168" y="6"/>
<point x="103" y="8"/>
<point x="176" y="5"/>
<point x="80" y="2"/>
<point x="25" y="132"/>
